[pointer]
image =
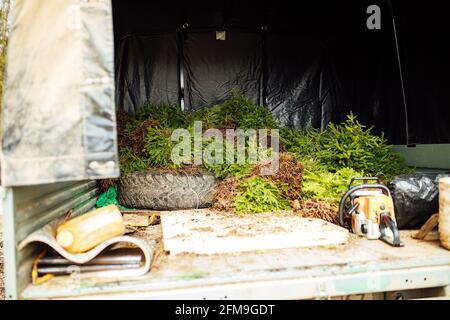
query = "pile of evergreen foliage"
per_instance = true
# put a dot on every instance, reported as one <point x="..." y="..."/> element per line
<point x="315" y="167"/>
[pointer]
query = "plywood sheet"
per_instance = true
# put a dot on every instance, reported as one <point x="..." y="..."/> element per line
<point x="210" y="232"/>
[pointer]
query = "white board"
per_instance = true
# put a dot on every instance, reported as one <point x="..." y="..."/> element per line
<point x="210" y="232"/>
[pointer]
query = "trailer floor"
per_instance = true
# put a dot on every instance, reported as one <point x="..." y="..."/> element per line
<point x="2" y="286"/>
<point x="359" y="266"/>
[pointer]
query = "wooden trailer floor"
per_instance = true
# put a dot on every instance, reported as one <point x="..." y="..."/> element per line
<point x="359" y="266"/>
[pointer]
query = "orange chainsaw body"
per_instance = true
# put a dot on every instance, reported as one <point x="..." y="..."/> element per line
<point x="370" y="211"/>
<point x="372" y="206"/>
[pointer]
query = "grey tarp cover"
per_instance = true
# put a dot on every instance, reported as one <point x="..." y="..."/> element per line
<point x="59" y="108"/>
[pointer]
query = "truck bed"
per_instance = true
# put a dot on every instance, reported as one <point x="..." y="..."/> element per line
<point x="357" y="267"/>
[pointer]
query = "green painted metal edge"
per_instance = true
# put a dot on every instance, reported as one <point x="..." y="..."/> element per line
<point x="9" y="243"/>
<point x="357" y="271"/>
<point x="436" y="156"/>
<point x="295" y="286"/>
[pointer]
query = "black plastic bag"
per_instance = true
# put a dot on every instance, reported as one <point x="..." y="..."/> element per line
<point x="416" y="198"/>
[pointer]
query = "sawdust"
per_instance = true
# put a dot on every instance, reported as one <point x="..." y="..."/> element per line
<point x="203" y="229"/>
<point x="236" y="232"/>
<point x="183" y="231"/>
<point x="251" y="232"/>
<point x="318" y="209"/>
<point x="150" y="233"/>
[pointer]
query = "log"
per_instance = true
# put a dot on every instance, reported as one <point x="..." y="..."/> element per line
<point x="427" y="227"/>
<point x="444" y="212"/>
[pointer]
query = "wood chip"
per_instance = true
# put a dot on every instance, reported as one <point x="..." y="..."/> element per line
<point x="427" y="227"/>
<point x="136" y="220"/>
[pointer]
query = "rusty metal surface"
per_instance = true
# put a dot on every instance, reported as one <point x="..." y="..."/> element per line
<point x="360" y="266"/>
<point x="27" y="209"/>
<point x="46" y="236"/>
<point x="114" y="257"/>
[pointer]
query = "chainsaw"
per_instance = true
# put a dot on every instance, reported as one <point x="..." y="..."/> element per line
<point x="371" y="212"/>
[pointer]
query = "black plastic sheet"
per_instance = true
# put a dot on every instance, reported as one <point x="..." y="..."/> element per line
<point x="355" y="70"/>
<point x="297" y="81"/>
<point x="416" y="198"/>
<point x="147" y="71"/>
<point x="214" y="68"/>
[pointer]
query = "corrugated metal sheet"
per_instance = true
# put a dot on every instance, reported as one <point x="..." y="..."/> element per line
<point x="27" y="209"/>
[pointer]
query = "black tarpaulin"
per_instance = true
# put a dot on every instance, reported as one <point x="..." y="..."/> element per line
<point x="300" y="98"/>
<point x="147" y="71"/>
<point x="423" y="31"/>
<point x="213" y="68"/>
<point x="364" y="75"/>
<point x="309" y="62"/>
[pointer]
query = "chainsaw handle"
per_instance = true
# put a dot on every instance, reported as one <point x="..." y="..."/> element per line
<point x="364" y="179"/>
<point x="352" y="190"/>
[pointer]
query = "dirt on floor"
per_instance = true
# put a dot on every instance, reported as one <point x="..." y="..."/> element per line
<point x="2" y="286"/>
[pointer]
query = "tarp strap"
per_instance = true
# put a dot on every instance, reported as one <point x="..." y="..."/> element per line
<point x="263" y="87"/>
<point x="181" y="66"/>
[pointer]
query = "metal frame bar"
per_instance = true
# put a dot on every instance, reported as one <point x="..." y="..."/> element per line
<point x="435" y="156"/>
<point x="294" y="283"/>
<point x="401" y="72"/>
<point x="297" y="287"/>
<point x="9" y="244"/>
